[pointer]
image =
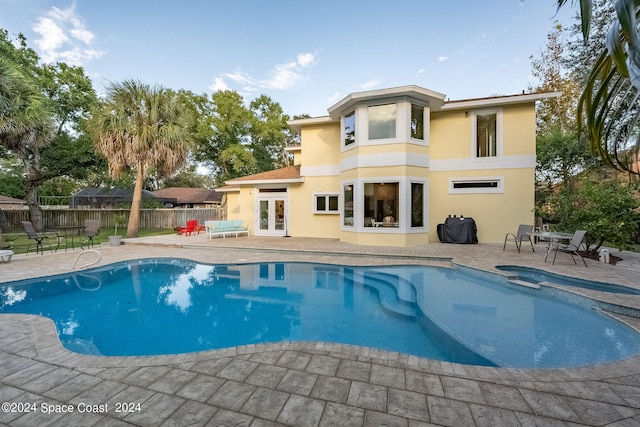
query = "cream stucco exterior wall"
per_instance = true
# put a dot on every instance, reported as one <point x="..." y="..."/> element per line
<point x="451" y="156"/>
<point x="446" y="156"/>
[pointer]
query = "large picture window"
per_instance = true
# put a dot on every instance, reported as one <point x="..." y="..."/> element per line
<point x="381" y="204"/>
<point x="382" y="121"/>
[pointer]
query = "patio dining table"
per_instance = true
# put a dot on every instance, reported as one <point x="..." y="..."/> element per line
<point x="552" y="237"/>
<point x="69" y="232"/>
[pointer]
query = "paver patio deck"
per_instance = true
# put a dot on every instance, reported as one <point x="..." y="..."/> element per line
<point x="305" y="383"/>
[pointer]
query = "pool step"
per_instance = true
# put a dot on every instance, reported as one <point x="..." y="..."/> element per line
<point x="388" y="295"/>
<point x="524" y="283"/>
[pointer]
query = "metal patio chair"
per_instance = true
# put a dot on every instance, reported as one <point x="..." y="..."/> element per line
<point x="573" y="248"/>
<point x="45" y="239"/>
<point x="521" y="236"/>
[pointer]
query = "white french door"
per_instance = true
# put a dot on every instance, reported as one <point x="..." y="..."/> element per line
<point x="271" y="215"/>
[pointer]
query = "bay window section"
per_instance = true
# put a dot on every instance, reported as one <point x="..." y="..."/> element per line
<point x="417" y="122"/>
<point x="348" y="205"/>
<point x="350" y="128"/>
<point x="381" y="204"/>
<point x="382" y="121"/>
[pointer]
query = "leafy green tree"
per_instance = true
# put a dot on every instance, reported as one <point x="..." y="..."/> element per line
<point x="68" y="96"/>
<point x="605" y="208"/>
<point x="189" y="177"/>
<point x="138" y="127"/>
<point x="26" y="125"/>
<point x="233" y="140"/>
<point x="269" y="134"/>
<point x="609" y="102"/>
<point x="12" y="180"/>
<point x="237" y="161"/>
<point x="553" y="76"/>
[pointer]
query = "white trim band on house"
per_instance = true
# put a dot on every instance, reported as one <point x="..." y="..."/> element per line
<point x="385" y="160"/>
<point x="462" y="164"/>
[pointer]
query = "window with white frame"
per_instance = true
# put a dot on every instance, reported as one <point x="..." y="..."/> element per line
<point x="347" y="208"/>
<point x="381" y="204"/>
<point x="417" y="204"/>
<point x="325" y="203"/>
<point x="417" y="122"/>
<point x="350" y="128"/>
<point x="382" y="121"/>
<point x="476" y="185"/>
<point x="486" y="130"/>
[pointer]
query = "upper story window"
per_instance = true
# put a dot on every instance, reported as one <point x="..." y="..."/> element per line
<point x="382" y="121"/>
<point x="350" y="128"/>
<point x="486" y="134"/>
<point x="417" y="122"/>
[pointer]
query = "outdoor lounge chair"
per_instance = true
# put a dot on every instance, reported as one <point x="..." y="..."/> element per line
<point x="192" y="227"/>
<point x="5" y="255"/>
<point x="91" y="229"/>
<point x="519" y="237"/>
<point x="43" y="239"/>
<point x="573" y="248"/>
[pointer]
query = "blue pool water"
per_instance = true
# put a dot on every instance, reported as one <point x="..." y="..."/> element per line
<point x="163" y="306"/>
<point x="533" y="275"/>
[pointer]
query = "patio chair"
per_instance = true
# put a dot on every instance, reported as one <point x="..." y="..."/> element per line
<point x="191" y="227"/>
<point x="573" y="248"/>
<point x="90" y="230"/>
<point x="519" y="237"/>
<point x="42" y="239"/>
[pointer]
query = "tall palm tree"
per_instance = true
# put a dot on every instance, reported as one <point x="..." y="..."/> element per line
<point x="26" y="126"/>
<point x="138" y="127"/>
<point x="610" y="101"/>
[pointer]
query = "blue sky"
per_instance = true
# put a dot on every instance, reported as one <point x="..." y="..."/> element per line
<point x="305" y="55"/>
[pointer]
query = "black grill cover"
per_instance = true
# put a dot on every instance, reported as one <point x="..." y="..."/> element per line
<point x="458" y="230"/>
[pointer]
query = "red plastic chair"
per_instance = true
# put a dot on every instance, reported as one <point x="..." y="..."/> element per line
<point x="191" y="227"/>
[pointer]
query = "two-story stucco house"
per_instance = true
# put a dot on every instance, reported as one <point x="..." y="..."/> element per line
<point x="386" y="166"/>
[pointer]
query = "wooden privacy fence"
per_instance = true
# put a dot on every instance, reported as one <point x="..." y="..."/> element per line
<point x="149" y="218"/>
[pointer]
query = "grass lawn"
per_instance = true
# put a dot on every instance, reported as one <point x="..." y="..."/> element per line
<point x="18" y="242"/>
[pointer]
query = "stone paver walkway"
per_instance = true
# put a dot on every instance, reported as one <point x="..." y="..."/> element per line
<point x="304" y="383"/>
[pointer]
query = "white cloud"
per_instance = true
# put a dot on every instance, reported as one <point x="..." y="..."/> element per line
<point x="282" y="77"/>
<point x="334" y="98"/>
<point x="218" y="84"/>
<point x="370" y="84"/>
<point x="64" y="37"/>
<point x="443" y="58"/>
<point x="422" y="71"/>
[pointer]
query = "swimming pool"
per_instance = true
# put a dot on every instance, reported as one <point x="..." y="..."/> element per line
<point x="533" y="275"/>
<point x="169" y="306"/>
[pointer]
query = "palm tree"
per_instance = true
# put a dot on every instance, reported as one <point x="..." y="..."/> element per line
<point x="26" y="126"/>
<point x="138" y="127"/>
<point x="610" y="101"/>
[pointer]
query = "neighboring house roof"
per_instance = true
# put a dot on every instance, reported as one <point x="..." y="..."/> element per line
<point x="185" y="195"/>
<point x="283" y="175"/>
<point x="6" y="200"/>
